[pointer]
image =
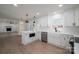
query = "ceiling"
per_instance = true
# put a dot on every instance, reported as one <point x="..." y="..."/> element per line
<point x="19" y="12"/>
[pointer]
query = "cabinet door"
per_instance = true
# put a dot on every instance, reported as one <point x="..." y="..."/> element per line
<point x="77" y="16"/>
<point x="57" y="40"/>
<point x="54" y="39"/>
<point x="69" y="18"/>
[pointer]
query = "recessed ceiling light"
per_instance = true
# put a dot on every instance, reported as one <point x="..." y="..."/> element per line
<point x="37" y="13"/>
<point x="60" y="5"/>
<point x="15" y="5"/>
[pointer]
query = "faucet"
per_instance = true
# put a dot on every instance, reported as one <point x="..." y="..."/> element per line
<point x="55" y="29"/>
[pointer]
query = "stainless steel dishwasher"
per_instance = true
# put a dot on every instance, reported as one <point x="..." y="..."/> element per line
<point x="44" y="37"/>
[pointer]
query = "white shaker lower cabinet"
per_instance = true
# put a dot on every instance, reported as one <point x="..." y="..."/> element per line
<point x="57" y="40"/>
<point x="39" y="35"/>
<point x="53" y="39"/>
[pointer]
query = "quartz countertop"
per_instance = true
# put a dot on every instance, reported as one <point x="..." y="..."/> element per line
<point x="28" y="31"/>
<point x="75" y="35"/>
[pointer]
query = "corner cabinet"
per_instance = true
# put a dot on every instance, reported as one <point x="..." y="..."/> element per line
<point x="68" y="18"/>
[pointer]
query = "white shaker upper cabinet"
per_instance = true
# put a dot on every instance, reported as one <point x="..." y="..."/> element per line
<point x="68" y="18"/>
<point x="77" y="16"/>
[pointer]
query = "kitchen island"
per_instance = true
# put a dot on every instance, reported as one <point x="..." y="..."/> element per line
<point x="28" y="37"/>
<point x="58" y="39"/>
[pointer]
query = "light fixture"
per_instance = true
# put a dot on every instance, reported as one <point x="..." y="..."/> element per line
<point x="37" y="13"/>
<point x="15" y="5"/>
<point x="60" y="5"/>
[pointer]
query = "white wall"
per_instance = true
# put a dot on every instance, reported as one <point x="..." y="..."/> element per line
<point x="45" y="24"/>
<point x="23" y="26"/>
<point x="55" y="20"/>
<point x="20" y="27"/>
<point x="42" y="24"/>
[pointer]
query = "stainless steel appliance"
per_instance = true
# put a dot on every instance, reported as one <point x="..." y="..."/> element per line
<point x="71" y="42"/>
<point x="76" y="45"/>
